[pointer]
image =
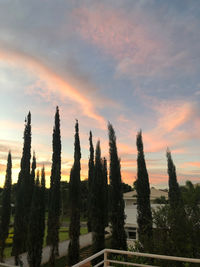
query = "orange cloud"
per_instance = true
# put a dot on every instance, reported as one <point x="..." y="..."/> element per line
<point x="125" y="149"/>
<point x="128" y="176"/>
<point x="158" y="179"/>
<point x="171" y="115"/>
<point x="128" y="163"/>
<point x="196" y="164"/>
<point x="190" y="163"/>
<point x="52" y="81"/>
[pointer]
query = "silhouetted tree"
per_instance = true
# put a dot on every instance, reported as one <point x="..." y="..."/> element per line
<point x="6" y="207"/>
<point x="105" y="175"/>
<point x="98" y="204"/>
<point x="74" y="202"/>
<point x="126" y="188"/>
<point x="177" y="216"/>
<point x="144" y="218"/>
<point x="191" y="199"/>
<point x="90" y="178"/>
<point x="84" y="198"/>
<point x="117" y="218"/>
<point x="42" y="203"/>
<point x="36" y="225"/>
<point x="174" y="190"/>
<point x="54" y="193"/>
<point x="23" y="198"/>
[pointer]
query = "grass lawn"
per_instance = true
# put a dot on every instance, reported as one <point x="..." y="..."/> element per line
<point x="63" y="235"/>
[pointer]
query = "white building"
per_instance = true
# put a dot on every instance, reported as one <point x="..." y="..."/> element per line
<point x="130" y="200"/>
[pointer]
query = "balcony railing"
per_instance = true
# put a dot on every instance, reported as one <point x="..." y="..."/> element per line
<point x="6" y="265"/>
<point x="108" y="260"/>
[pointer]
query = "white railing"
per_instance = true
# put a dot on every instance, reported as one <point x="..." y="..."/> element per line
<point x="106" y="261"/>
<point x="6" y="265"/>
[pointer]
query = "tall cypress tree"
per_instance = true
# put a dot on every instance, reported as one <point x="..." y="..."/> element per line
<point x="98" y="205"/>
<point x="177" y="216"/>
<point x="42" y="203"/>
<point x="6" y="207"/>
<point x="34" y="239"/>
<point x="54" y="194"/>
<point x="23" y="198"/>
<point x="105" y="175"/>
<point x="174" y="190"/>
<point x="74" y="199"/>
<point x="90" y="179"/>
<point x="117" y="217"/>
<point x="37" y="222"/>
<point x="144" y="219"/>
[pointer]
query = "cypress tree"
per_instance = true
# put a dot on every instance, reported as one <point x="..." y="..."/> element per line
<point x="177" y="216"/>
<point x="90" y="178"/>
<point x="42" y="203"/>
<point x="23" y="198"/>
<point x="35" y="239"/>
<point x="54" y="193"/>
<point x="105" y="175"/>
<point x="175" y="198"/>
<point x="74" y="202"/>
<point x="6" y="207"/>
<point x="117" y="215"/>
<point x="144" y="219"/>
<point x="98" y="205"/>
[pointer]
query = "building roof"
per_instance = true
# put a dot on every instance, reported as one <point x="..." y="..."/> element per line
<point x="155" y="193"/>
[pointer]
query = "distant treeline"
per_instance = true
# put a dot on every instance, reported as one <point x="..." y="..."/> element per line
<point x="64" y="190"/>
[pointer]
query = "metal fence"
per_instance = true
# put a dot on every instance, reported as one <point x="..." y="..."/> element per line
<point x="6" y="265"/>
<point x="108" y="260"/>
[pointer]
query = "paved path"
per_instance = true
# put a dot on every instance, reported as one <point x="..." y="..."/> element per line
<point x="85" y="240"/>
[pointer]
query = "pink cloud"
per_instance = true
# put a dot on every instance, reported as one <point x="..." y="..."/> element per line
<point x="189" y="164"/>
<point x="128" y="163"/>
<point x="52" y="82"/>
<point x="158" y="179"/>
<point x="196" y="164"/>
<point x="170" y="117"/>
<point x="115" y="33"/>
<point x="173" y="114"/>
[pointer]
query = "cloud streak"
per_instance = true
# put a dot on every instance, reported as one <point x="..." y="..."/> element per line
<point x="53" y="82"/>
<point x="116" y="34"/>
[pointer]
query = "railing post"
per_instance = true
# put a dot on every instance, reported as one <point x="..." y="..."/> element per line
<point x="105" y="258"/>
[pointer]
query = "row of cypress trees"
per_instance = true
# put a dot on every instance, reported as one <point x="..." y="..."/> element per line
<point x="29" y="221"/>
<point x="98" y="197"/>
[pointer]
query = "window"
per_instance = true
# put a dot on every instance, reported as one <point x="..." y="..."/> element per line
<point x="131" y="233"/>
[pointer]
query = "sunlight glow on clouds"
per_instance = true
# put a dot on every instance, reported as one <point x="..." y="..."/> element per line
<point x="53" y="82"/>
<point x="134" y="63"/>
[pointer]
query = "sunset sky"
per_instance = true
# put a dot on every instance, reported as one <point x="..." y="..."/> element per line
<point x="135" y="63"/>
